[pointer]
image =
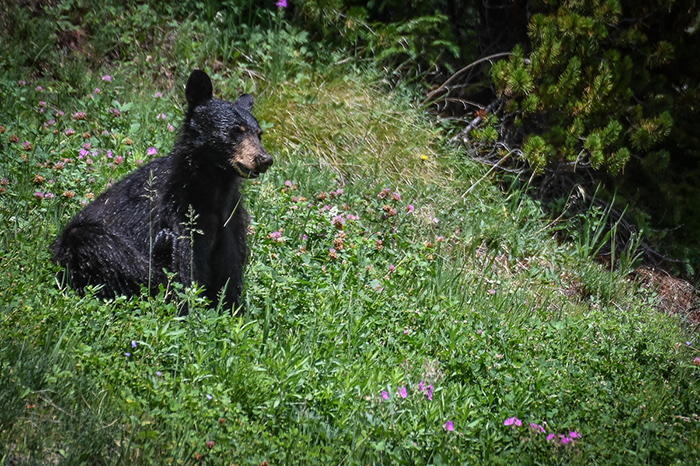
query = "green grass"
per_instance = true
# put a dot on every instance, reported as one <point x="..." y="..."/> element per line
<point x="477" y="317"/>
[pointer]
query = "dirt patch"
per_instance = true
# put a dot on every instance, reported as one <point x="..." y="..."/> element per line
<point x="675" y="296"/>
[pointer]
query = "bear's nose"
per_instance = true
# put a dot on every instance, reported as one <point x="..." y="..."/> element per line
<point x="264" y="161"/>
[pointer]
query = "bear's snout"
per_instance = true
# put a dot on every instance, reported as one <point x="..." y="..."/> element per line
<point x="263" y="161"/>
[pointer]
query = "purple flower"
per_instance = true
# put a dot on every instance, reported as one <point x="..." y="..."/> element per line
<point x="410" y="208"/>
<point x="118" y="159"/>
<point x="107" y="78"/>
<point x="422" y="387"/>
<point x="171" y="128"/>
<point x="492" y="291"/>
<point x="574" y="434"/>
<point x="402" y="392"/>
<point x="97" y="90"/>
<point x="275" y="236"/>
<point x="48" y="196"/>
<point x="209" y="397"/>
<point x="550" y="437"/>
<point x="430" y="393"/>
<point x="42" y="103"/>
<point x="39" y="88"/>
<point x="436" y="221"/>
<point x="70" y="132"/>
<point x="385" y="395"/>
<point x="396" y="197"/>
<point x="282" y="3"/>
<point x="158" y="374"/>
<point x="392" y="267"/>
<point x="449" y="426"/>
<point x="133" y="343"/>
<point x="83" y="153"/>
<point x="512" y="420"/>
<point x="158" y="95"/>
<point x="537" y="428"/>
<point x="27" y="145"/>
<point x="152" y="151"/>
<point x="79" y="115"/>
<point x="39" y="195"/>
<point x="127" y="354"/>
<point x="688" y="343"/>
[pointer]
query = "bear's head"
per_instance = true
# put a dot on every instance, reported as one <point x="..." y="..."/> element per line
<point x="226" y="133"/>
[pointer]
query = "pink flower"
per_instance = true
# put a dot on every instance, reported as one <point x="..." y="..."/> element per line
<point x="282" y="3"/>
<point x="410" y="208"/>
<point x="152" y="151"/>
<point x="161" y="116"/>
<point x="158" y="95"/>
<point x="512" y="420"/>
<point x="537" y="428"/>
<point x="396" y="197"/>
<point x="479" y="331"/>
<point x="97" y="90"/>
<point x="449" y="425"/>
<point x="422" y="388"/>
<point x="39" y="195"/>
<point x="550" y="437"/>
<point x="392" y="267"/>
<point x="70" y="132"/>
<point x="107" y="78"/>
<point x="385" y="395"/>
<point x="48" y="196"/>
<point x="574" y="434"/>
<point x="430" y="393"/>
<point x="338" y="222"/>
<point x="39" y="88"/>
<point x="402" y="392"/>
<point x="492" y="291"/>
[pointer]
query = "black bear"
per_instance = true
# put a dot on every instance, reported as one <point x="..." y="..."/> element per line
<point x="144" y="223"/>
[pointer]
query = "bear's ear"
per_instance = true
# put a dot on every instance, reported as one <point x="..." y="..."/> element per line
<point x="198" y="89"/>
<point x="246" y="101"/>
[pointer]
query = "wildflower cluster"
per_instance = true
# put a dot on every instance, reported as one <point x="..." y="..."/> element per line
<point x="73" y="149"/>
<point x="554" y="438"/>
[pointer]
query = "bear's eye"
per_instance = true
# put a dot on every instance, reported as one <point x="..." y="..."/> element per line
<point x="238" y="130"/>
<point x="260" y="134"/>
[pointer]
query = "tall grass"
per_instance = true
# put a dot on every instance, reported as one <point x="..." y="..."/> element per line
<point x="390" y="319"/>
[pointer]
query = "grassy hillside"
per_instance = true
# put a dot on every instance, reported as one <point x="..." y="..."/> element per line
<point x="399" y="312"/>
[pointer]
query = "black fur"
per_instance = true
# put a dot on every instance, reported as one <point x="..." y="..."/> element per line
<point x="138" y="227"/>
